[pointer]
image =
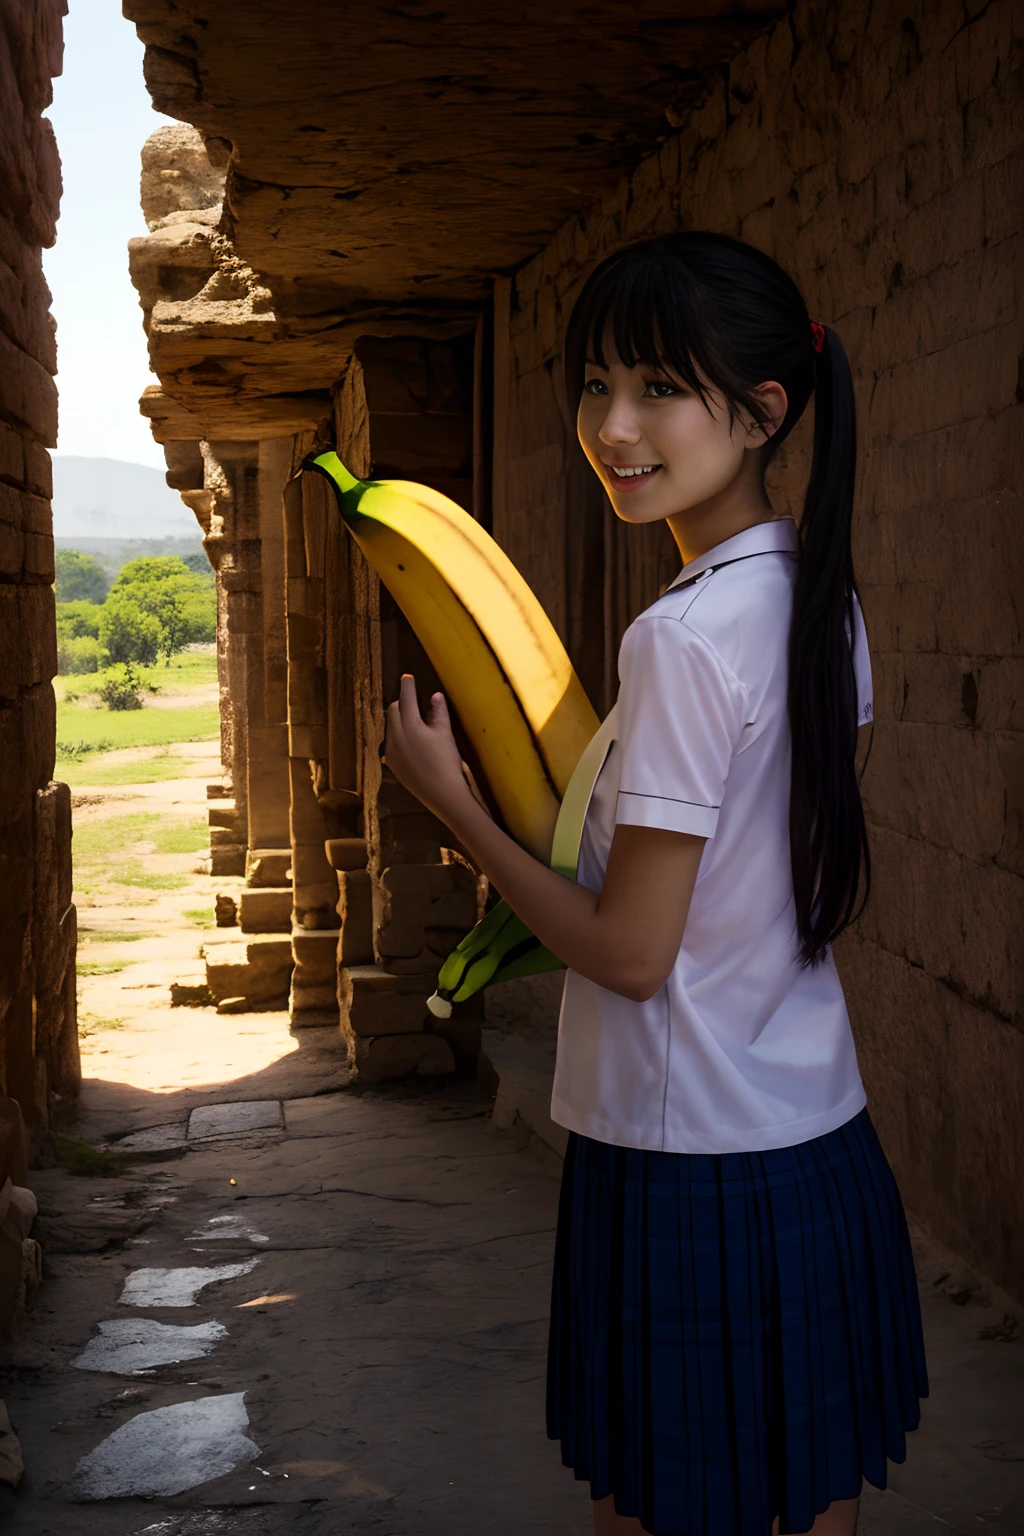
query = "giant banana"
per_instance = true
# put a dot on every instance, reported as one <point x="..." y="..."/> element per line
<point x="494" y="648"/>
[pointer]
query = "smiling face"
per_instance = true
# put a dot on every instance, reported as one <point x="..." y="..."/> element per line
<point x="661" y="452"/>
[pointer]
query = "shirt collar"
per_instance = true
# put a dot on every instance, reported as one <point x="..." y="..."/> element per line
<point x="778" y="534"/>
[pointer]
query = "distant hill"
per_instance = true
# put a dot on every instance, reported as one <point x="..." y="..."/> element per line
<point x="108" y="499"/>
<point x="113" y="553"/>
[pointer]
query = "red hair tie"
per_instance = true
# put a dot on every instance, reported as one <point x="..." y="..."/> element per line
<point x="818" y="333"/>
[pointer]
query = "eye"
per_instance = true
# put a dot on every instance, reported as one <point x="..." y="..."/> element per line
<point x="661" y="389"/>
<point x="595" y="387"/>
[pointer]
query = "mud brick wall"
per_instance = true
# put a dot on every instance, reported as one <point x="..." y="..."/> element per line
<point x="876" y="152"/>
<point x="38" y="1029"/>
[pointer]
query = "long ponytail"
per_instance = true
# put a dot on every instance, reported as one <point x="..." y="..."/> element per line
<point x="714" y="311"/>
<point x="827" y="834"/>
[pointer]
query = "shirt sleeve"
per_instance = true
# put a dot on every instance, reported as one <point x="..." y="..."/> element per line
<point x="862" y="666"/>
<point x="681" y="713"/>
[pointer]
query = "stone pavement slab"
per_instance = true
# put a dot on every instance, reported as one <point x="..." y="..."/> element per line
<point x="380" y="1317"/>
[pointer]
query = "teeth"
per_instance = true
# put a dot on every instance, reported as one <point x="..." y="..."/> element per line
<point x="637" y="469"/>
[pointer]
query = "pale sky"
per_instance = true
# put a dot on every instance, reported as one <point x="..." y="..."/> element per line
<point x="101" y="114"/>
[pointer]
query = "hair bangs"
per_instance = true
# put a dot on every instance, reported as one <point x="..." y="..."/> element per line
<point x="655" y="315"/>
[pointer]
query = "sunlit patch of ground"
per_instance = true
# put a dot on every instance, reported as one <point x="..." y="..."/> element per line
<point x="145" y="907"/>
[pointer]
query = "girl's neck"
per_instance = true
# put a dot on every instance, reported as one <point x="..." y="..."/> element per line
<point x="741" y="505"/>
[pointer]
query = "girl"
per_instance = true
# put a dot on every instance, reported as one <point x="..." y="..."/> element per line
<point x="735" y="1336"/>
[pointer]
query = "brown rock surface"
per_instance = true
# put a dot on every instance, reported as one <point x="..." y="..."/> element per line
<point x="38" y="1043"/>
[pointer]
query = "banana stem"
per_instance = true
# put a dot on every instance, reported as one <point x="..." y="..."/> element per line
<point x="347" y="487"/>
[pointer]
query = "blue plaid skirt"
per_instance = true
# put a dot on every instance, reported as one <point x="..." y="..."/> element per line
<point x="733" y="1337"/>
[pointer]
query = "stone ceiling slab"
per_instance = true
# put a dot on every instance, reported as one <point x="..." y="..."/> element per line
<point x="411" y="150"/>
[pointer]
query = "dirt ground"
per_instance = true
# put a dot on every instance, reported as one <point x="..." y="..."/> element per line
<point x="298" y="1306"/>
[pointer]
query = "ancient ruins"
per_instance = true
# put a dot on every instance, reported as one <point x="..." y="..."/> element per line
<point x="371" y="240"/>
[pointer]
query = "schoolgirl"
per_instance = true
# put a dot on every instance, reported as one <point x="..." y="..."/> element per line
<point x="735" y="1336"/>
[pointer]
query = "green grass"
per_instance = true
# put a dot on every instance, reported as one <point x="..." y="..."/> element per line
<point x="100" y="967"/>
<point x="86" y="1161"/>
<point x="202" y="917"/>
<point x="103" y="850"/>
<point x="137" y="874"/>
<point x="185" y="673"/>
<point x="148" y="770"/>
<point x="91" y="1023"/>
<point x="113" y="935"/>
<point x="84" y="730"/>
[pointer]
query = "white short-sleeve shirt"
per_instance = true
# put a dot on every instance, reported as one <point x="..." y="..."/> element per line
<point x="743" y="1048"/>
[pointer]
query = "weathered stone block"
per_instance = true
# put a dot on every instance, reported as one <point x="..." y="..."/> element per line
<point x="268" y="867"/>
<point x="374" y="1002"/>
<point x="223" y="816"/>
<point x="305" y="999"/>
<point x="355" y="908"/>
<point x="315" y="904"/>
<point x="417" y="905"/>
<point x="391" y="1056"/>
<point x="316" y="957"/>
<point x="227" y="860"/>
<point x="224" y="837"/>
<point x="265" y="911"/>
<point x="346" y="853"/>
<point x="258" y="969"/>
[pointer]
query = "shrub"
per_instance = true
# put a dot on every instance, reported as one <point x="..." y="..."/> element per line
<point x="128" y="633"/>
<point x="78" y="653"/>
<point x="79" y="577"/>
<point x="122" y="689"/>
<point x="74" y="751"/>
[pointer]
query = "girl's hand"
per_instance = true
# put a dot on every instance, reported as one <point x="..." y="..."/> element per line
<point x="422" y="754"/>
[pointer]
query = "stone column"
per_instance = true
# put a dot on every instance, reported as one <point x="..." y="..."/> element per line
<point x="404" y="411"/>
<point x="312" y="818"/>
<point x="38" y="1031"/>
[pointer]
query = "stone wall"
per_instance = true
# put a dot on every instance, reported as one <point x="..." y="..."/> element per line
<point x="876" y="152"/>
<point x="39" y="1064"/>
<point x="405" y="410"/>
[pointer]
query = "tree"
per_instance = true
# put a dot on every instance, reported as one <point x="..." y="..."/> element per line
<point x="128" y="633"/>
<point x="77" y="619"/>
<point x="183" y="603"/>
<point x="79" y="577"/>
<point x="199" y="563"/>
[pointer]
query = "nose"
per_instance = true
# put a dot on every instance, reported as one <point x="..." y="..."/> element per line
<point x="620" y="426"/>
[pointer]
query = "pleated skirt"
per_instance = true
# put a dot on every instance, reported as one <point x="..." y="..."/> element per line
<point x="733" y="1337"/>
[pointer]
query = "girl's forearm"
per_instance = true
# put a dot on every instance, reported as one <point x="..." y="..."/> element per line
<point x="566" y="917"/>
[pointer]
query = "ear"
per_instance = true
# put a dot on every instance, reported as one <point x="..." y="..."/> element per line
<point x="774" y="404"/>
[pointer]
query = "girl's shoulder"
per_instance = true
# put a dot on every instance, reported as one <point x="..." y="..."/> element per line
<point x="741" y="612"/>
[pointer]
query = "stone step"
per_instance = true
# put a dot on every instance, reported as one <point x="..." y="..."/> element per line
<point x="229" y="859"/>
<point x="222" y="813"/>
<point x="257" y="968"/>
<point x="265" y="910"/>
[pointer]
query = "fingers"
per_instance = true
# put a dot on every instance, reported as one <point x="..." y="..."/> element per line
<point x="408" y="704"/>
<point x="439" y="711"/>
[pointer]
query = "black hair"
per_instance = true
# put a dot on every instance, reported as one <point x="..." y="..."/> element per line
<point x="715" y="312"/>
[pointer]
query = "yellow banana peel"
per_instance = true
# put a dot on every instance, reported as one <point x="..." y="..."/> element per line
<point x="499" y="658"/>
